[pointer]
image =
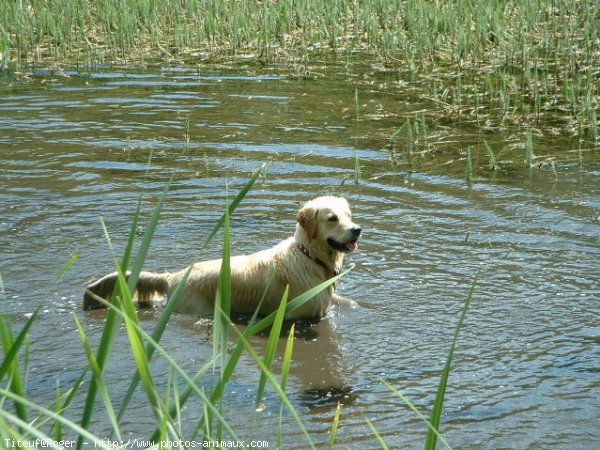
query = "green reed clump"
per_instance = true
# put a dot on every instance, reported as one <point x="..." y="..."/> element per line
<point x="513" y="61"/>
<point x="535" y="34"/>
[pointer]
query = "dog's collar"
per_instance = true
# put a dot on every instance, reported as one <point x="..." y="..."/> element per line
<point x="331" y="271"/>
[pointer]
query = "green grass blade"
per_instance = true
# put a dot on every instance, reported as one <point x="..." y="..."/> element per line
<point x="234" y="204"/>
<point x="142" y="363"/>
<point x="287" y="357"/>
<point x="377" y="435"/>
<point x="156" y="336"/>
<point x="226" y="374"/>
<point x="31" y="428"/>
<point x="303" y="298"/>
<point x="68" y="400"/>
<point x="190" y="382"/>
<point x="57" y="427"/>
<point x="11" y="347"/>
<point x="223" y="298"/>
<point x="222" y="309"/>
<point x="10" y="363"/>
<point x="272" y="345"/>
<point x="414" y="409"/>
<point x="67" y="266"/>
<point x="285" y="371"/>
<point x="137" y="348"/>
<point x="271" y="378"/>
<point x="334" y="427"/>
<point x="132" y="235"/>
<point x="136" y="268"/>
<point x="493" y="162"/>
<point x="111" y="326"/>
<point x="112" y="323"/>
<point x="93" y="363"/>
<point x="438" y="404"/>
<point x="190" y="388"/>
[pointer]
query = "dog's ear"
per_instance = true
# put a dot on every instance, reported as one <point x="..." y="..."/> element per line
<point x="307" y="218"/>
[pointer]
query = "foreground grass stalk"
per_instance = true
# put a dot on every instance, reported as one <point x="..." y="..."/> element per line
<point x="438" y="405"/>
<point x="272" y="346"/>
<point x="336" y="424"/>
<point x="156" y="335"/>
<point x="112" y="322"/>
<point x="414" y="409"/>
<point x="222" y="313"/>
<point x="273" y="381"/>
<point x="192" y="383"/>
<point x="31" y="429"/>
<point x="10" y="364"/>
<point x="285" y="370"/>
<point x="99" y="380"/>
<point x="377" y="435"/>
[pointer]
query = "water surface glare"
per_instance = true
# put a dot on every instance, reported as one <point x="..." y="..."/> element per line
<point x="526" y="372"/>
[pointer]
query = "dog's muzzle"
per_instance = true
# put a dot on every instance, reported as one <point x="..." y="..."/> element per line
<point x="347" y="247"/>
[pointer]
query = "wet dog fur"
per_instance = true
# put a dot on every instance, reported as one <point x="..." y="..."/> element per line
<point x="324" y="233"/>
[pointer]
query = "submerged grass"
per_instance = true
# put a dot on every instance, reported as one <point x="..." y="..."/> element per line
<point x="28" y="420"/>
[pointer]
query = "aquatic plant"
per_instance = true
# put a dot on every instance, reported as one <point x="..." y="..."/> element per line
<point x="529" y="155"/>
<point x="357" y="168"/>
<point x="493" y="164"/>
<point x="537" y="48"/>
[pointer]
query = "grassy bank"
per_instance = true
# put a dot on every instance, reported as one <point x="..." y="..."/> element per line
<point x="514" y="62"/>
<point x="538" y="34"/>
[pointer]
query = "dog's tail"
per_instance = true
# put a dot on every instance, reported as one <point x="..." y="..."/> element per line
<point x="149" y="284"/>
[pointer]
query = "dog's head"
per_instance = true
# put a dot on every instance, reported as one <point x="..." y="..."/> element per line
<point x="329" y="219"/>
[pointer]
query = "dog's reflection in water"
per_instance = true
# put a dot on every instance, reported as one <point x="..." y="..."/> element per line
<point x="318" y="363"/>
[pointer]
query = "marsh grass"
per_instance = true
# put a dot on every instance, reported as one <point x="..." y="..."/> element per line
<point x="30" y="420"/>
<point x="540" y="56"/>
<point x="493" y="162"/>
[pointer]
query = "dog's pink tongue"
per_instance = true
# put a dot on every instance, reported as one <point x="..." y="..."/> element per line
<point x="353" y="246"/>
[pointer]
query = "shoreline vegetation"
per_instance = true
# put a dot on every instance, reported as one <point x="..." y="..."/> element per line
<point x="530" y="64"/>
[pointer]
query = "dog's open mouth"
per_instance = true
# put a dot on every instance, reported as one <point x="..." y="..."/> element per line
<point x="348" y="247"/>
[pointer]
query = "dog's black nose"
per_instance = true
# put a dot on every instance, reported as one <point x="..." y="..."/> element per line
<point x="356" y="231"/>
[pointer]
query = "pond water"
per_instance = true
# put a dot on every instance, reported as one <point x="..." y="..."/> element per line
<point x="77" y="147"/>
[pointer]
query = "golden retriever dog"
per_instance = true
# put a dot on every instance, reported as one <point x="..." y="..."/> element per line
<point x="324" y="233"/>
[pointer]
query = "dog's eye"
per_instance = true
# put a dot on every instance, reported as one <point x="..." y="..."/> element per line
<point x="333" y="218"/>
